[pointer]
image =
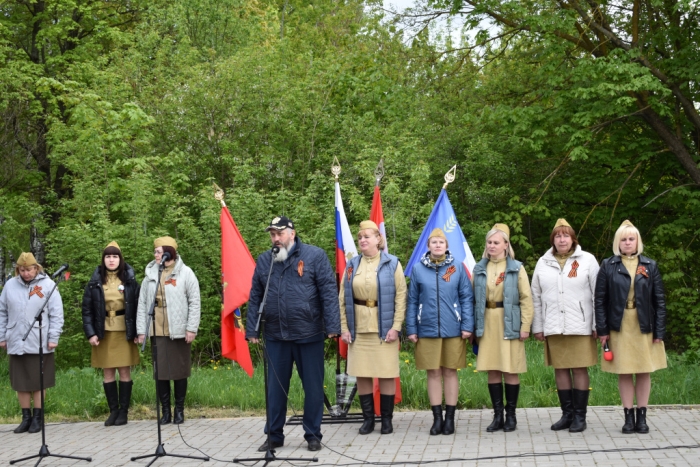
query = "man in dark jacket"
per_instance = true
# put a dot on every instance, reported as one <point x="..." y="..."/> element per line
<point x="300" y="310"/>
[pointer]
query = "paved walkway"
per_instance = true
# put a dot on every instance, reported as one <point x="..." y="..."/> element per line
<point x="673" y="441"/>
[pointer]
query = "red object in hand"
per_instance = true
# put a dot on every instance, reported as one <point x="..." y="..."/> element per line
<point x="607" y="353"/>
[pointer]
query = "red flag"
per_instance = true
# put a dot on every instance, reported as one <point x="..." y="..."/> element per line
<point x="237" y="267"/>
<point x="376" y="215"/>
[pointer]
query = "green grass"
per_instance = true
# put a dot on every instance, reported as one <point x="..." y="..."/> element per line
<point x="220" y="389"/>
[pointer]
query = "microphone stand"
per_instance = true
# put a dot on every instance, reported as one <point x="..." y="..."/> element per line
<point x="44" y="450"/>
<point x="160" y="450"/>
<point x="270" y="453"/>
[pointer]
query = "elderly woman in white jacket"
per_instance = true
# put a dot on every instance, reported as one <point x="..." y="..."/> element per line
<point x="563" y="288"/>
<point x="177" y="314"/>
<point x="21" y="299"/>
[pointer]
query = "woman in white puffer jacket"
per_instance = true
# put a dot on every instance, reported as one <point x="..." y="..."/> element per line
<point x="563" y="288"/>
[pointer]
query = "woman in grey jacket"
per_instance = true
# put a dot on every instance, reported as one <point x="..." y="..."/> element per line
<point x="439" y="319"/>
<point x="177" y="313"/>
<point x="22" y="298"/>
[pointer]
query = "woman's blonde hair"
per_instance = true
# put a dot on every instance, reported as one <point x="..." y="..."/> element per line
<point x="382" y="242"/>
<point x="623" y="231"/>
<point x="509" y="251"/>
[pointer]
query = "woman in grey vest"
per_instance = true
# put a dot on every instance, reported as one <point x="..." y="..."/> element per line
<point x="372" y="309"/>
<point x="503" y="310"/>
<point x="22" y="298"/>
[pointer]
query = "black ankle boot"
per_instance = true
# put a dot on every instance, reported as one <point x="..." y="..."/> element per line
<point x="567" y="409"/>
<point x="628" y="427"/>
<point x="367" y="405"/>
<point x="512" y="391"/>
<point x="112" y="402"/>
<point x="641" y="424"/>
<point x="580" y="408"/>
<point x="496" y="393"/>
<point x="164" y="396"/>
<point x="180" y="390"/>
<point x="436" y="429"/>
<point x="124" y="402"/>
<point x="26" y="421"/>
<point x="386" y="408"/>
<point x="448" y="427"/>
<point x="35" y="427"/>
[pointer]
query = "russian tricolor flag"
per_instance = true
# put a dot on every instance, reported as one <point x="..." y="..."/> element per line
<point x="344" y="241"/>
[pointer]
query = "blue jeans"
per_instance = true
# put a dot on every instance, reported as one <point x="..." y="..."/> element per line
<point x="308" y="358"/>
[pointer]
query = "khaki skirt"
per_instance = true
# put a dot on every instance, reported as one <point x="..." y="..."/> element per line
<point x="174" y="358"/>
<point x="495" y="352"/>
<point x="633" y="352"/>
<point x="434" y="353"/>
<point x="24" y="372"/>
<point x="371" y="357"/>
<point x="114" y="351"/>
<point x="563" y="352"/>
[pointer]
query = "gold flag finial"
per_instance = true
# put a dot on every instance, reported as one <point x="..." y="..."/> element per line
<point x="450" y="176"/>
<point x="335" y="168"/>
<point x="379" y="172"/>
<point x="219" y="194"/>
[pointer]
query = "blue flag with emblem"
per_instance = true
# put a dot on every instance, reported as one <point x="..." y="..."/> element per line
<point x="443" y="217"/>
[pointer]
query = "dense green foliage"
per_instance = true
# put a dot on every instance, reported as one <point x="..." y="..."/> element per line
<point x="118" y="116"/>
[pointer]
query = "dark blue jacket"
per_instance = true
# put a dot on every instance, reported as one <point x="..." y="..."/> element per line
<point x="440" y="299"/>
<point x="302" y="299"/>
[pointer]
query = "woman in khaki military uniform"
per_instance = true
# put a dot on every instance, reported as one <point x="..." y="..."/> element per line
<point x="503" y="310"/>
<point x="371" y="323"/>
<point x="109" y="321"/>
<point x="630" y="308"/>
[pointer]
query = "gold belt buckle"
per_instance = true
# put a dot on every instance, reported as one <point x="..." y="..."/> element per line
<point x="371" y="303"/>
<point x="490" y="304"/>
<point x="112" y="314"/>
<point x="630" y="304"/>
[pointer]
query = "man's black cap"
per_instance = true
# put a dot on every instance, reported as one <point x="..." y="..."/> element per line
<point x="280" y="223"/>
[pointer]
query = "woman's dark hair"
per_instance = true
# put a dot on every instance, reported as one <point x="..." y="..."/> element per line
<point x="121" y="270"/>
<point x="172" y="251"/>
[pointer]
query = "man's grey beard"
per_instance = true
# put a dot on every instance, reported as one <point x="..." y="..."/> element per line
<point x="283" y="253"/>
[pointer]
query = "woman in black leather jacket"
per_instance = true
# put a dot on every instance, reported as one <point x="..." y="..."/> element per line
<point x="109" y="321"/>
<point x="630" y="311"/>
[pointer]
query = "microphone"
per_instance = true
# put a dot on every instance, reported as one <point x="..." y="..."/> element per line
<point x="275" y="250"/>
<point x="607" y="353"/>
<point x="166" y="257"/>
<point x="60" y="271"/>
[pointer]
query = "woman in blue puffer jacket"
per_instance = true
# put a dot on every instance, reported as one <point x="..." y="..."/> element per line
<point x="439" y="318"/>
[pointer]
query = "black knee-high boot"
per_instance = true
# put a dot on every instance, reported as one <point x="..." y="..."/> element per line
<point x="580" y="409"/>
<point x="512" y="391"/>
<point x="164" y="396"/>
<point x="367" y="404"/>
<point x="386" y="408"/>
<point x="567" y="409"/>
<point x="496" y="393"/>
<point x="124" y="402"/>
<point x="112" y="396"/>
<point x="180" y="390"/>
